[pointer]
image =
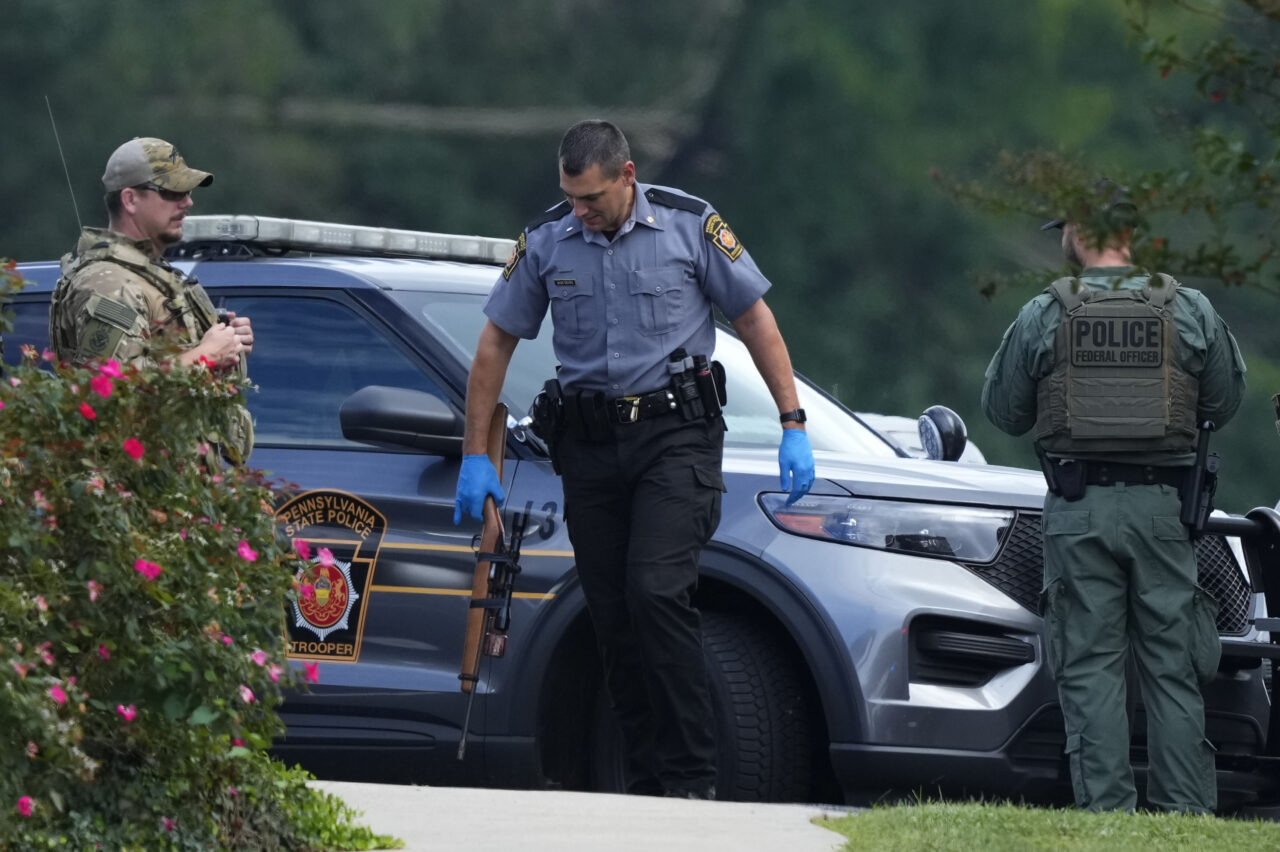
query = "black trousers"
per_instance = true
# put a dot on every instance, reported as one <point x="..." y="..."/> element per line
<point x="640" y="506"/>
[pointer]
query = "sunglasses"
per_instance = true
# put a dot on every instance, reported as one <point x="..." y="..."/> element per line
<point x="166" y="194"/>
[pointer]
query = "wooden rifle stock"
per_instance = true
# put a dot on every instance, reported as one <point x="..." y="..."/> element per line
<point x="491" y="538"/>
<point x="492" y="541"/>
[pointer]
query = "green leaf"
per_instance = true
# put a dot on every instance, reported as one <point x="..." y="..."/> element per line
<point x="202" y="715"/>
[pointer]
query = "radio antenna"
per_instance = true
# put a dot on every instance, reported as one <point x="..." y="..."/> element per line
<point x="63" y="157"/>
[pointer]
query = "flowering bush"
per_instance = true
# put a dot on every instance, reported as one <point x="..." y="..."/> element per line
<point x="142" y="601"/>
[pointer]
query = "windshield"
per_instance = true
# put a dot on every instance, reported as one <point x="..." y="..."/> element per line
<point x="455" y="319"/>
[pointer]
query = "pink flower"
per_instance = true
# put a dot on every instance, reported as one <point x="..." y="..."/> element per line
<point x="21" y="669"/>
<point x="227" y="640"/>
<point x="111" y="368"/>
<point x="103" y="651"/>
<point x="95" y="589"/>
<point x="101" y="385"/>
<point x="303" y="549"/>
<point x="150" y="570"/>
<point x="58" y="694"/>
<point x="202" y="448"/>
<point x="246" y="694"/>
<point x="169" y="825"/>
<point x="47" y="355"/>
<point x="45" y="653"/>
<point x="274" y="671"/>
<point x="42" y="605"/>
<point x="182" y="533"/>
<point x="247" y="553"/>
<point x="326" y="557"/>
<point x="1" y="405"/>
<point x="15" y="381"/>
<point x="237" y="742"/>
<point x="32" y="750"/>
<point x="308" y="591"/>
<point x="129" y="713"/>
<point x="311" y="671"/>
<point x="133" y="447"/>
<point x="233" y="791"/>
<point x="25" y="806"/>
<point x="87" y="411"/>
<point x="259" y="656"/>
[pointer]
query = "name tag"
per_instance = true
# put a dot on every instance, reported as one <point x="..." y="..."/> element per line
<point x="566" y="282"/>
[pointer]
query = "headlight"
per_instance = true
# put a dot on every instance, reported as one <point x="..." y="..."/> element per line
<point x="963" y="533"/>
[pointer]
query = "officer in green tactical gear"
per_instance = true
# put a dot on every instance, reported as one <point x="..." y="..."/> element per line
<point x="119" y="298"/>
<point x="1113" y="370"/>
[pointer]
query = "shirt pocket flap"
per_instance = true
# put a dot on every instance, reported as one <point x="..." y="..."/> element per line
<point x="655" y="282"/>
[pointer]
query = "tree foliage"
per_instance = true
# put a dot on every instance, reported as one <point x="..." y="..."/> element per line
<point x="812" y="125"/>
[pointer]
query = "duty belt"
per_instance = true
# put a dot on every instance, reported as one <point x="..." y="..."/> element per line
<point x="644" y="406"/>
<point x="1110" y="473"/>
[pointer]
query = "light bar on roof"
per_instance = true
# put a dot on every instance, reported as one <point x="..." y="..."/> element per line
<point x="301" y="235"/>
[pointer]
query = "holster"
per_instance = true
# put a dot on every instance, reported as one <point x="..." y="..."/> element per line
<point x="547" y="418"/>
<point x="1065" y="477"/>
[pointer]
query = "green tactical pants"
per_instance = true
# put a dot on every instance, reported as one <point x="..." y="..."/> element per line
<point x="1120" y="576"/>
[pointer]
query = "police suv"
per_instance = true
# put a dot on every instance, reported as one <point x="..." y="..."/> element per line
<point x="882" y="634"/>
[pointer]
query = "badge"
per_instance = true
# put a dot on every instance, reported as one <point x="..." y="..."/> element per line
<point x="516" y="253"/>
<point x="326" y="621"/>
<point x="722" y="236"/>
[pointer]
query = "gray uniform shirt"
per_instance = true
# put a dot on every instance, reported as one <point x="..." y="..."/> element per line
<point x="619" y="308"/>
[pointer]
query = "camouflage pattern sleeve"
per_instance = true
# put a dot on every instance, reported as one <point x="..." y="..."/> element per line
<point x="106" y="313"/>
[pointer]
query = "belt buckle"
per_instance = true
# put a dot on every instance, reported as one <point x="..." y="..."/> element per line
<point x="628" y="408"/>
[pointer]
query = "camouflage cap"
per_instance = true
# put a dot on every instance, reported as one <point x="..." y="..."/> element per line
<point x="155" y="161"/>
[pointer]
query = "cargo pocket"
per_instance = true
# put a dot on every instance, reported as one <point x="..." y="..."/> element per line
<point x="1053" y="609"/>
<point x="709" y="477"/>
<point x="1072" y="752"/>
<point x="1206" y="646"/>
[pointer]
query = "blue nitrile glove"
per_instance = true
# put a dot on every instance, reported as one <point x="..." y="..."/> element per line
<point x="795" y="460"/>
<point x="477" y="480"/>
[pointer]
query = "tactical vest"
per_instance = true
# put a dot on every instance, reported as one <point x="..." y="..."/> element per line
<point x="183" y="297"/>
<point x="1117" y="384"/>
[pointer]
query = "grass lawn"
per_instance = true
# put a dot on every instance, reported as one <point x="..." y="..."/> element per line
<point x="966" y="827"/>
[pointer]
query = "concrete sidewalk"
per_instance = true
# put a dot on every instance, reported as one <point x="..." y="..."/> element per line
<point x="463" y="819"/>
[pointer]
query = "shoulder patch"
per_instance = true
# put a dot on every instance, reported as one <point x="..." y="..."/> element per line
<point x="679" y="202"/>
<point x="517" y="252"/>
<point x="551" y="215"/>
<point x="722" y="237"/>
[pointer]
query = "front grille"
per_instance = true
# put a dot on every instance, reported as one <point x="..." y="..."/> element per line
<point x="1019" y="573"/>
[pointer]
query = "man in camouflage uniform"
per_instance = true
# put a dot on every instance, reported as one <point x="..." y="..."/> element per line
<point x="119" y="298"/>
<point x="1114" y="369"/>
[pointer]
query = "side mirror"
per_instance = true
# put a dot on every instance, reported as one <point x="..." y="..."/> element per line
<point x="401" y="419"/>
<point x="942" y="433"/>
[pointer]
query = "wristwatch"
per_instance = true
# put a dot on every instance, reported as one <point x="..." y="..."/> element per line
<point x="793" y="416"/>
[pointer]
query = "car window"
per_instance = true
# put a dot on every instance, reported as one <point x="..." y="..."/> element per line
<point x="309" y="354"/>
<point x="455" y="319"/>
<point x="30" y="326"/>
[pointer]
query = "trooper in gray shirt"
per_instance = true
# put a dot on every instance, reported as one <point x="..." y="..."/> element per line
<point x="631" y="273"/>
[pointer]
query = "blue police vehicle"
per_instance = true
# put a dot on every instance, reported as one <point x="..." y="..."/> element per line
<point x="881" y="634"/>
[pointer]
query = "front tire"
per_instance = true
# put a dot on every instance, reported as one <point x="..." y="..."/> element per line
<point x="762" y="717"/>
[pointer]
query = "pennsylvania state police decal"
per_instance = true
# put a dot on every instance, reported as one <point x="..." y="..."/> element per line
<point x="342" y="535"/>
